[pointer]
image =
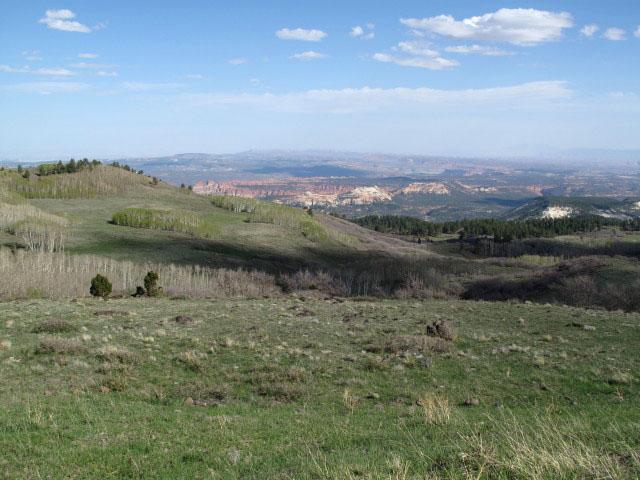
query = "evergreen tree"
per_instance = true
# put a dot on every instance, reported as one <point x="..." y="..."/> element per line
<point x="100" y="286"/>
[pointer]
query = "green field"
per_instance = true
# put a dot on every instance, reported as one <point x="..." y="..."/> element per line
<point x="286" y="388"/>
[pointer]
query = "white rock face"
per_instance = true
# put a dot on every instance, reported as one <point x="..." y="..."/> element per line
<point x="434" y="188"/>
<point x="557" y="212"/>
<point x="357" y="196"/>
<point x="364" y="195"/>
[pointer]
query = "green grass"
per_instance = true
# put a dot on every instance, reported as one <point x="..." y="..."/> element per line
<point x="172" y="220"/>
<point x="286" y="389"/>
<point x="236" y="243"/>
<point x="266" y="212"/>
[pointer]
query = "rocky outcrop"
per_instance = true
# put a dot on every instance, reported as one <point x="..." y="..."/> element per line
<point x="364" y="195"/>
<point x="357" y="196"/>
<point x="429" y="188"/>
<point x="557" y="212"/>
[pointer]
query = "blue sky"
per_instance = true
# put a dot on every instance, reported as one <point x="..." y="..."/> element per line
<point x="112" y="79"/>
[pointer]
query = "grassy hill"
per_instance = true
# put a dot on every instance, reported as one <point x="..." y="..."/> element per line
<point x="295" y="345"/>
<point x="120" y="216"/>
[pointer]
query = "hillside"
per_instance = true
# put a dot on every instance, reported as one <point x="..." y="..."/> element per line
<point x="154" y="224"/>
<point x="114" y="221"/>
<point x="287" y="343"/>
<point x="561" y="207"/>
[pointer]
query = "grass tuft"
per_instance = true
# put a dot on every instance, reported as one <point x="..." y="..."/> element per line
<point x="113" y="354"/>
<point x="54" y="325"/>
<point x="60" y="346"/>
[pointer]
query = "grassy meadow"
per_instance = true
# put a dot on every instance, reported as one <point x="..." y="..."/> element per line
<point x="315" y="388"/>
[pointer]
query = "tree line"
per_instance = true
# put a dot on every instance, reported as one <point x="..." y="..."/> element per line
<point x="73" y="166"/>
<point x="500" y="230"/>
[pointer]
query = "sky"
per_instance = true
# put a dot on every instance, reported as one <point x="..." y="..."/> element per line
<point x="108" y="79"/>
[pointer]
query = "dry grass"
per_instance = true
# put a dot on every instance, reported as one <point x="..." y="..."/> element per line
<point x="60" y="346"/>
<point x="54" y="275"/>
<point x="11" y="214"/>
<point x="113" y="354"/>
<point x="282" y="391"/>
<point x="99" y="180"/>
<point x="190" y="360"/>
<point x="421" y="343"/>
<point x="54" y="325"/>
<point x="282" y="384"/>
<point x="545" y="448"/>
<point x="436" y="408"/>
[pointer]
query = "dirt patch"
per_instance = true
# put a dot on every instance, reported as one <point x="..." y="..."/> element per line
<point x="111" y="313"/>
<point x="184" y="320"/>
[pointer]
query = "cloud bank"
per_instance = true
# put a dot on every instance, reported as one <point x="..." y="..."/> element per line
<point x="519" y="26"/>
<point x="366" y="99"/>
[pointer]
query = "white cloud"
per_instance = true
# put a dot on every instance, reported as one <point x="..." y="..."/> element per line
<point x="310" y="55"/>
<point x="95" y="66"/>
<point x="61" y="20"/>
<point x="422" y="56"/>
<point x="39" y="71"/>
<point x="7" y="68"/>
<point x="432" y="63"/>
<point x="195" y="76"/>
<point x="47" y="88"/>
<point x="589" y="30"/>
<point x="416" y="48"/>
<point x="301" y="34"/>
<point x="351" y="100"/>
<point x="88" y="55"/>
<point x="237" y="61"/>
<point x="637" y="32"/>
<point x="478" y="49"/>
<point x="102" y="73"/>
<point x="54" y="71"/>
<point x="31" y="55"/>
<point x="519" y="26"/>
<point x="356" y="31"/>
<point x="141" y="86"/>
<point x="615" y="34"/>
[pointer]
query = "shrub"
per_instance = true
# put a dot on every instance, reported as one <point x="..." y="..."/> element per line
<point x="421" y="343"/>
<point x="54" y="325"/>
<point x="442" y="329"/>
<point x="172" y="220"/>
<point x="191" y="361"/>
<point x="151" y="284"/>
<point x="579" y="290"/>
<point x="100" y="286"/>
<point x="60" y="345"/>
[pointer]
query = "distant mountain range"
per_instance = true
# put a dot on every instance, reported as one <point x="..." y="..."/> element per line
<point x="428" y="187"/>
